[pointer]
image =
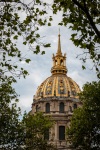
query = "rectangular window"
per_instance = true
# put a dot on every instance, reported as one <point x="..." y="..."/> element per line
<point x="61" y="132"/>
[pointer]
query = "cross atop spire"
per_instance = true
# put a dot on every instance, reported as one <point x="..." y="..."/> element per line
<point x="59" y="45"/>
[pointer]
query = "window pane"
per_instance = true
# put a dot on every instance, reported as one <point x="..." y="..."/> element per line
<point x="70" y="109"/>
<point x="36" y="108"/>
<point x="61" y="107"/>
<point x="61" y="132"/>
<point x="75" y="106"/>
<point x="47" y="107"/>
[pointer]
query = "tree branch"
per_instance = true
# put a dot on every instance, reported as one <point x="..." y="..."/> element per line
<point x="85" y="10"/>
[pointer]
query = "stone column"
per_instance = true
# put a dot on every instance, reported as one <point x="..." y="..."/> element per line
<point x="56" y="131"/>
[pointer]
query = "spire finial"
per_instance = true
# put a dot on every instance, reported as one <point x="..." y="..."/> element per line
<point x="59" y="45"/>
<point x="59" y="31"/>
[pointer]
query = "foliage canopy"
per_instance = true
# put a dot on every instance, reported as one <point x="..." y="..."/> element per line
<point x="84" y="129"/>
<point x="35" y="129"/>
<point x="20" y="21"/>
<point x="11" y="131"/>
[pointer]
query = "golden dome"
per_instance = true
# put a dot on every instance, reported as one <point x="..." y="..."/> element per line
<point x="58" y="84"/>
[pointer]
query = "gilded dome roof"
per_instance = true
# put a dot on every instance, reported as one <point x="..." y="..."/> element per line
<point x="58" y="84"/>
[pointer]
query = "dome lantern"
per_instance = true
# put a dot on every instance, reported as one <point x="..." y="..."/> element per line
<point x="59" y="61"/>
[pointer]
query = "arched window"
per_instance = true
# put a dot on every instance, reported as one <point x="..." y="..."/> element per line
<point x="75" y="106"/>
<point x="70" y="109"/>
<point x="56" y="62"/>
<point x="61" y="62"/>
<point x="36" y="108"/>
<point x="61" y="132"/>
<point x="46" y="135"/>
<point x="61" y="107"/>
<point x="47" y="107"/>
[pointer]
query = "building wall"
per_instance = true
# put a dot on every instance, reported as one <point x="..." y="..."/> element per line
<point x="60" y="119"/>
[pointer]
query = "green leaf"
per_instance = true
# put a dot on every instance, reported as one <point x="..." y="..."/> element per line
<point x="27" y="60"/>
<point x="50" y="19"/>
<point x="15" y="66"/>
<point x="37" y="35"/>
<point x="37" y="49"/>
<point x="15" y="37"/>
<point x="19" y="33"/>
<point x="49" y="24"/>
<point x="43" y="52"/>
<point x="25" y="72"/>
<point x="19" y="8"/>
<point x="83" y="67"/>
<point x="60" y="24"/>
<point x="47" y="45"/>
<point x="24" y="42"/>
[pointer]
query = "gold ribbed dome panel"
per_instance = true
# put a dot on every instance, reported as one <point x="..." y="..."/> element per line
<point x="57" y="85"/>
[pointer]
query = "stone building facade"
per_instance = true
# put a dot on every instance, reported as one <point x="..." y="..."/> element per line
<point x="57" y="96"/>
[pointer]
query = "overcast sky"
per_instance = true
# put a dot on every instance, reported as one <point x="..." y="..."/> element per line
<point x="40" y="65"/>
